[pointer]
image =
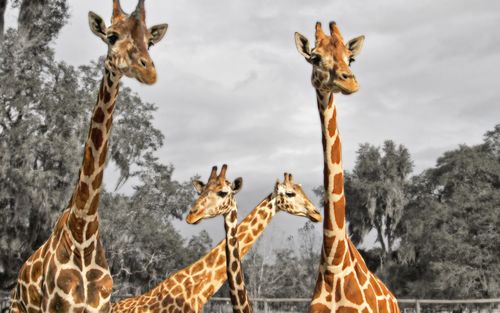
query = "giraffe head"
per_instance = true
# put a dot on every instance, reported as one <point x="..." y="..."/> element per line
<point x="128" y="41"/>
<point x="216" y="196"/>
<point x="331" y="59"/>
<point x="291" y="198"/>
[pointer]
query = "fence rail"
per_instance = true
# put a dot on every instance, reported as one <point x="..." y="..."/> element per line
<point x="300" y="305"/>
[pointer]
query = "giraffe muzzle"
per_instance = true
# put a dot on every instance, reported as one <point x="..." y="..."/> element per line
<point x="193" y="219"/>
<point x="315" y="216"/>
<point x="147" y="76"/>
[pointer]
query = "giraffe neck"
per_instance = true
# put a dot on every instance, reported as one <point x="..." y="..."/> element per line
<point x="335" y="241"/>
<point x="334" y="232"/>
<point x="235" y="277"/>
<point x="83" y="219"/>
<point x="344" y="282"/>
<point x="208" y="274"/>
<point x="333" y="173"/>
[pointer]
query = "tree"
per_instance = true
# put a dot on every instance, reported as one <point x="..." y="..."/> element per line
<point x="198" y="246"/>
<point x="450" y="239"/>
<point x="254" y="266"/>
<point x="38" y="139"/>
<point x="375" y="193"/>
<point x="40" y="21"/>
<point x="142" y="245"/>
<point x="492" y="141"/>
<point x="282" y="280"/>
<point x="309" y="256"/>
<point x="3" y="6"/>
<point x="287" y="272"/>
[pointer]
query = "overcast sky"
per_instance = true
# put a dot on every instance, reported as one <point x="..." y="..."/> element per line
<point x="232" y="87"/>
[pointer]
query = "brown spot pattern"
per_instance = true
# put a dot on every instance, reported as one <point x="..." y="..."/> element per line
<point x="104" y="153"/>
<point x="58" y="304"/>
<point x="339" y="253"/>
<point x="345" y="309"/>
<point x="336" y="151"/>
<point x="351" y="289"/>
<point x="71" y="282"/>
<point x="94" y="205"/>
<point x="88" y="162"/>
<point x="370" y="298"/>
<point x="338" y="183"/>
<point x="339" y="210"/>
<point x="332" y="126"/>
<point x="96" y="136"/>
<point x="98" y="116"/>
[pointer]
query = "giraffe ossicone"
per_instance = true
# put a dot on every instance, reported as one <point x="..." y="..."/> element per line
<point x="344" y="283"/>
<point x="69" y="272"/>
<point x="190" y="288"/>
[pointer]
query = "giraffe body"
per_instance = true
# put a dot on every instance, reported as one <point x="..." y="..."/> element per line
<point x="69" y="272"/>
<point x="344" y="282"/>
<point x="190" y="288"/>
<point x="217" y="197"/>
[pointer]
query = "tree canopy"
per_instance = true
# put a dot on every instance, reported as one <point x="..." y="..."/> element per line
<point x="437" y="229"/>
<point x="450" y="242"/>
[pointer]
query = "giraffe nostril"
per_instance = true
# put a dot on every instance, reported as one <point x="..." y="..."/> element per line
<point x="143" y="62"/>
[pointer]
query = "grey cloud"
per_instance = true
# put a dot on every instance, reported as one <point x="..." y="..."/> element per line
<point x="232" y="87"/>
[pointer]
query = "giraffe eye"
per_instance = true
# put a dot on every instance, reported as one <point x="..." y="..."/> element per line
<point x="150" y="44"/>
<point x="290" y="194"/>
<point x="222" y="194"/>
<point x="315" y="58"/>
<point x="351" y="60"/>
<point x="112" y="38"/>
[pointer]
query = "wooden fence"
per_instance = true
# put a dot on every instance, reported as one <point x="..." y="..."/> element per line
<point x="298" y="305"/>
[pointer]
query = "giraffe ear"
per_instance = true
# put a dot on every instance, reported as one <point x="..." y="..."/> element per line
<point x="237" y="184"/>
<point x="97" y="26"/>
<point x="355" y="45"/>
<point x="157" y="32"/>
<point x="198" y="185"/>
<point x="302" y="45"/>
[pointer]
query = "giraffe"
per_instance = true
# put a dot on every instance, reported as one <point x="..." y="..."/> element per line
<point x="344" y="283"/>
<point x="190" y="288"/>
<point x="69" y="272"/>
<point x="217" y="197"/>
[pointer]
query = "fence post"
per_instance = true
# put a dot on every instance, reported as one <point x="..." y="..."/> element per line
<point x="417" y="302"/>
<point x="266" y="309"/>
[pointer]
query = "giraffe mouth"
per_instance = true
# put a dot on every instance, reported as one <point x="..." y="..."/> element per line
<point x="315" y="216"/>
<point x="345" y="86"/>
<point x="192" y="219"/>
<point x="346" y="91"/>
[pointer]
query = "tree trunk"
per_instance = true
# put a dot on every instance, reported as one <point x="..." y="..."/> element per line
<point x="3" y="6"/>
<point x="30" y="13"/>
<point x="40" y="21"/>
<point x="380" y="236"/>
<point x="390" y="243"/>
